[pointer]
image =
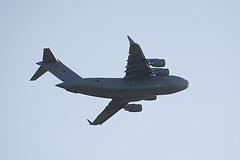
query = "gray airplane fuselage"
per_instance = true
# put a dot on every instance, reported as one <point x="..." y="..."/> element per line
<point x="142" y="88"/>
<point x="144" y="79"/>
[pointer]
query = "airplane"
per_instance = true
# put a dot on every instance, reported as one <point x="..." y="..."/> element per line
<point x="141" y="82"/>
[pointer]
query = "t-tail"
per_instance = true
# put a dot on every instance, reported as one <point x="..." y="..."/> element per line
<point x="57" y="68"/>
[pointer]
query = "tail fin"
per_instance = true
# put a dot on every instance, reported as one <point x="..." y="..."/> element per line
<point x="57" y="68"/>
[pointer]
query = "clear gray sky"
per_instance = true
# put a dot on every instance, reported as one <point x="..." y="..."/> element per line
<point x="199" y="40"/>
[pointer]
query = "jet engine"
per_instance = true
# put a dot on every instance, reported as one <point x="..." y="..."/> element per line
<point x="160" y="71"/>
<point x="133" y="107"/>
<point x="156" y="62"/>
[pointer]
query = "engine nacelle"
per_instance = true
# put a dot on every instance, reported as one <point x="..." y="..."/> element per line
<point x="156" y="62"/>
<point x="133" y="107"/>
<point x="160" y="71"/>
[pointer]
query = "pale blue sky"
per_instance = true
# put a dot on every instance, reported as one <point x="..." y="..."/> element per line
<point x="199" y="41"/>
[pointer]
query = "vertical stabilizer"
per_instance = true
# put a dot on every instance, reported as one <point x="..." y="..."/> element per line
<point x="52" y="64"/>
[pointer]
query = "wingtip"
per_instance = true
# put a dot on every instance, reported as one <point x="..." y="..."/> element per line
<point x="130" y="40"/>
<point x="90" y="122"/>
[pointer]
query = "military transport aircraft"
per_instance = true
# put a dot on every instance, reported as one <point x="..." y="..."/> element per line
<point x="140" y="82"/>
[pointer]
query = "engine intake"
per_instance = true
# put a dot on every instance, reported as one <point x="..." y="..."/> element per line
<point x="133" y="107"/>
<point x="160" y="72"/>
<point x="156" y="62"/>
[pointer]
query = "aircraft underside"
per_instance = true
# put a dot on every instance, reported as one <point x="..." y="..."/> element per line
<point x="141" y="82"/>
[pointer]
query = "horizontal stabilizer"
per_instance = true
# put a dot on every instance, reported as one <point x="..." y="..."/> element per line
<point x="38" y="73"/>
<point x="53" y="65"/>
<point x="48" y="56"/>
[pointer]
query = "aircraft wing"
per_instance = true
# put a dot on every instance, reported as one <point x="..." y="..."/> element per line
<point x="136" y="63"/>
<point x="113" y="107"/>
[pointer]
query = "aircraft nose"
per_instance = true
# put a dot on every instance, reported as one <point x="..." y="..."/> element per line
<point x="188" y="84"/>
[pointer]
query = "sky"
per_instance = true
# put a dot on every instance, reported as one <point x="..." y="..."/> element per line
<point x="198" y="39"/>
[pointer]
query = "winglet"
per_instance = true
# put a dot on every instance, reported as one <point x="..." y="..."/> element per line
<point x="130" y="40"/>
<point x="90" y="122"/>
